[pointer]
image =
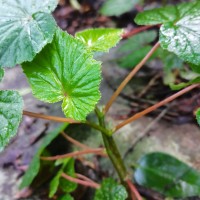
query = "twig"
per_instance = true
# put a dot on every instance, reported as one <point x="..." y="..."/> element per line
<point x="99" y="151"/>
<point x="52" y="118"/>
<point x="135" y="31"/>
<point x="134" y="192"/>
<point x="73" y="141"/>
<point x="85" y="183"/>
<point x="149" y="85"/>
<point x="85" y="178"/>
<point x="157" y="105"/>
<point x="129" y="77"/>
<point x="66" y="120"/>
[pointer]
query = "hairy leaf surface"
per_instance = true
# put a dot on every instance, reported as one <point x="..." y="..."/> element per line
<point x="25" y="28"/>
<point x="180" y="32"/>
<point x="65" y="71"/>
<point x="110" y="190"/>
<point x="100" y="39"/>
<point x="167" y="175"/>
<point x="11" y="105"/>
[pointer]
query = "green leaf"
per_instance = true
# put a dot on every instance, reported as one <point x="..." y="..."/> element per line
<point x="11" y="106"/>
<point x="167" y="175"/>
<point x="118" y="7"/>
<point x="100" y="39"/>
<point x="34" y="166"/>
<point x="65" y="70"/>
<point x="1" y="74"/>
<point x="180" y="32"/>
<point x="135" y="42"/>
<point x="54" y="184"/>
<point x="110" y="190"/>
<point x="157" y="16"/>
<point x="198" y="116"/>
<point x="67" y="167"/>
<point x="170" y="62"/>
<point x="195" y="68"/>
<point x="65" y="185"/>
<point x="183" y="85"/>
<point x="25" y="28"/>
<point x="134" y="49"/>
<point x="131" y="60"/>
<point x="66" y="197"/>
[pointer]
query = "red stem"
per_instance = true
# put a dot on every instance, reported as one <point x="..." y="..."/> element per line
<point x="134" y="192"/>
<point x="52" y="118"/>
<point x="73" y="141"/>
<point x="129" y="77"/>
<point x="99" y="151"/>
<point x="135" y="31"/>
<point x="81" y="182"/>
<point x="157" y="105"/>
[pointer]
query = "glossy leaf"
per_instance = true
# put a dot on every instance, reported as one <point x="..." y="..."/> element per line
<point x="11" y="106"/>
<point x="65" y="71"/>
<point x="1" y="74"/>
<point x="167" y="175"/>
<point x="100" y="39"/>
<point x="25" y="28"/>
<point x="34" y="166"/>
<point x="198" y="116"/>
<point x="133" y="50"/>
<point x="118" y="7"/>
<point x="183" y="85"/>
<point x="180" y="32"/>
<point x="110" y="190"/>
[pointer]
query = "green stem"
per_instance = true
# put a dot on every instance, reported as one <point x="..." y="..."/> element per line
<point x="112" y="150"/>
<point x="99" y="128"/>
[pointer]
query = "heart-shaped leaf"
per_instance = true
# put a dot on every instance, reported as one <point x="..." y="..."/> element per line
<point x="25" y="28"/>
<point x="65" y="70"/>
<point x="100" y="39"/>
<point x="1" y="74"/>
<point x="11" y="105"/>
<point x="167" y="175"/>
<point x="110" y="190"/>
<point x="180" y="32"/>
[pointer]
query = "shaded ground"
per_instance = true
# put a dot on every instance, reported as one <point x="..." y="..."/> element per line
<point x="157" y="132"/>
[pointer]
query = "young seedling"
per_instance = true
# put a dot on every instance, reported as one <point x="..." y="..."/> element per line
<point x="60" y="67"/>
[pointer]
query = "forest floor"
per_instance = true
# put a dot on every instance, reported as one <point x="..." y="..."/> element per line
<point x="171" y="129"/>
